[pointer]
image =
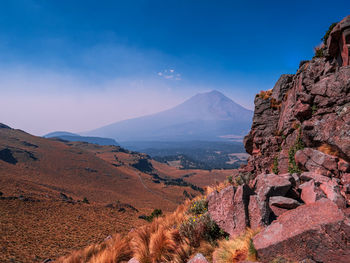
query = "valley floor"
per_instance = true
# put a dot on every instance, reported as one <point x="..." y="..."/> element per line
<point x="34" y="231"/>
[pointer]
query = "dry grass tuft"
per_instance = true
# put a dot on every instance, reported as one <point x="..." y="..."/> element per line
<point x="115" y="250"/>
<point x="162" y="246"/>
<point x="276" y="105"/>
<point x="217" y="187"/>
<point x="328" y="149"/>
<point x="236" y="250"/>
<point x="265" y="94"/>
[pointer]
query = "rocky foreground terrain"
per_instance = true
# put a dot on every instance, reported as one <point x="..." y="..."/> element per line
<point x="290" y="203"/>
<point x="299" y="192"/>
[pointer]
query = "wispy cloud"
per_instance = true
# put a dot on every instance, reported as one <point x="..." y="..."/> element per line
<point x="169" y="74"/>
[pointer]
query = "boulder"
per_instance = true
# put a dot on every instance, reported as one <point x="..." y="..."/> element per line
<point x="318" y="231"/>
<point x="229" y="209"/>
<point x="283" y="202"/>
<point x="332" y="191"/>
<point x="318" y="178"/>
<point x="315" y="161"/>
<point x="302" y="111"/>
<point x="268" y="185"/>
<point x="310" y="193"/>
<point x="199" y="258"/>
<point x="221" y="208"/>
<point x="280" y="204"/>
<point x="240" y="213"/>
<point x="259" y="212"/>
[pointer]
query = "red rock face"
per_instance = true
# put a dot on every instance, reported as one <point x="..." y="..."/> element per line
<point x="338" y="42"/>
<point x="221" y="208"/>
<point x="229" y="209"/>
<point x="319" y="231"/>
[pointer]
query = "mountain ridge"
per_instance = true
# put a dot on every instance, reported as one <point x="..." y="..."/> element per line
<point x="206" y="116"/>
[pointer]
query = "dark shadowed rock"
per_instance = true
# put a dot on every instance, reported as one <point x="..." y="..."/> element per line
<point x="338" y="42"/>
<point x="221" y="208"/>
<point x="319" y="231"/>
<point x="280" y="204"/>
<point x="302" y="111"/>
<point x="284" y="202"/>
<point x="240" y="214"/>
<point x="268" y="185"/>
<point x="199" y="258"/>
<point x="259" y="212"/>
<point x="307" y="176"/>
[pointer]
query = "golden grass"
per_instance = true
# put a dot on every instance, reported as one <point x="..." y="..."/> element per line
<point x="265" y="94"/>
<point x="162" y="241"/>
<point x="217" y="187"/>
<point x="328" y="149"/>
<point x="236" y="250"/>
<point x="115" y="250"/>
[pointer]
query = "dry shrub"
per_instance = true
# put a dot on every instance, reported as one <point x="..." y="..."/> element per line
<point x="276" y="105"/>
<point x="140" y="244"/>
<point x="118" y="250"/>
<point x="236" y="250"/>
<point x="328" y="149"/>
<point x="295" y="125"/>
<point x="114" y="250"/>
<point x="162" y="246"/>
<point x="265" y="94"/>
<point x="217" y="187"/>
<point x="160" y="241"/>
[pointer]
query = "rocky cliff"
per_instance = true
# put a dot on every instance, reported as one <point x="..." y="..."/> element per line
<point x="310" y="109"/>
<point x="297" y="180"/>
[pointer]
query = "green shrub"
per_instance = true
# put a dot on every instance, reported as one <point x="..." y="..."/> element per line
<point x="326" y="36"/>
<point x="298" y="145"/>
<point x="86" y="201"/>
<point x="314" y="109"/>
<point x="155" y="213"/>
<point x="201" y="227"/>
<point x="318" y="53"/>
<point x="275" y="165"/>
<point x="230" y="179"/>
<point x="243" y="178"/>
<point x="198" y="207"/>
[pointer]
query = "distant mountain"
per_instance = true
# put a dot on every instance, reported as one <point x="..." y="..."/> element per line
<point x="72" y="137"/>
<point x="205" y="116"/>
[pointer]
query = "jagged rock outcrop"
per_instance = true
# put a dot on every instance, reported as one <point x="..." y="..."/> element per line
<point x="338" y="42"/>
<point x="300" y="160"/>
<point x="303" y="123"/>
<point x="319" y="231"/>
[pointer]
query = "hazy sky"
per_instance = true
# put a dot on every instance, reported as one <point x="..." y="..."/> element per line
<point x="78" y="65"/>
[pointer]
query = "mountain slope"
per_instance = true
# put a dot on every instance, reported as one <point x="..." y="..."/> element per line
<point x="72" y="137"/>
<point x="206" y="116"/>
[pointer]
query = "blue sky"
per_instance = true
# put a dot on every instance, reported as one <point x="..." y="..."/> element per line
<point x="77" y="65"/>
